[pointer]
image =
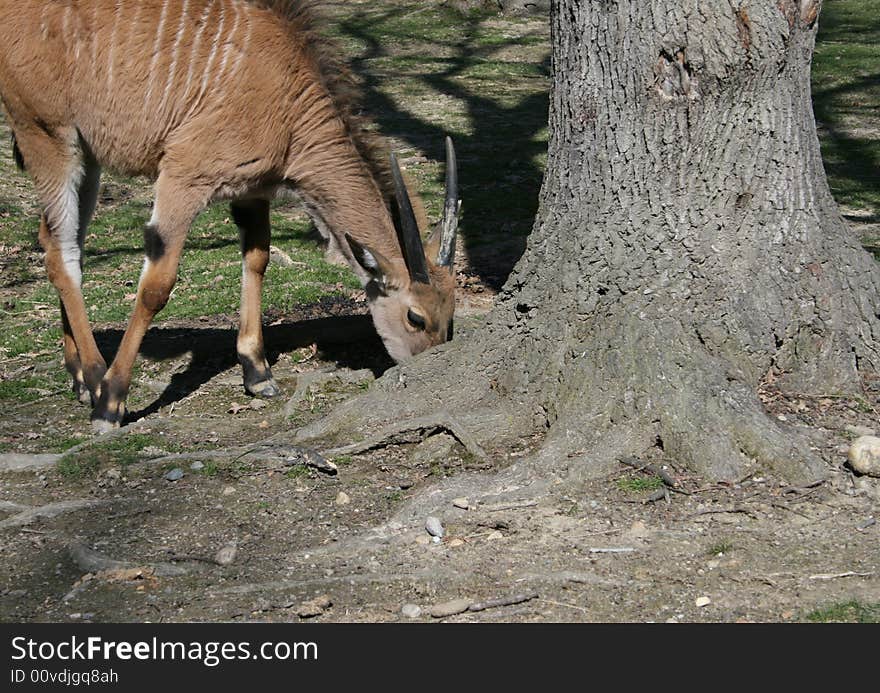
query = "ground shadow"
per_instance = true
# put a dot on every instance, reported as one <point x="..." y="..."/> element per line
<point x="350" y="341"/>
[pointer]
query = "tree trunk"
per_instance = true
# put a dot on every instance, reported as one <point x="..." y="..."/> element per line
<point x="687" y="251"/>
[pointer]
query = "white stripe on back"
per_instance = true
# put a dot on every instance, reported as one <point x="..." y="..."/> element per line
<point x="157" y="44"/>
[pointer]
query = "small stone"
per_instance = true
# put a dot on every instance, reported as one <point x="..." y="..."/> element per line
<point x="861" y="430"/>
<point x="456" y="606"/>
<point x="197" y="466"/>
<point x="229" y="490"/>
<point x="455" y="543"/>
<point x="314" y="607"/>
<point x="226" y="555"/>
<point x="434" y="527"/>
<point x="343" y="498"/>
<point x="495" y="536"/>
<point x="174" y="475"/>
<point x="864" y="455"/>
<point x="411" y="610"/>
<point x="703" y="601"/>
<point x="423" y="540"/>
<point x="257" y="404"/>
<point x="461" y="503"/>
<point x="711" y="565"/>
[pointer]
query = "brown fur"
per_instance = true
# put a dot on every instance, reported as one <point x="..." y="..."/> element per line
<point x="215" y="99"/>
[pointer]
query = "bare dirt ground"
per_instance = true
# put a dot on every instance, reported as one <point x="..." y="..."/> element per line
<point x="258" y="528"/>
<point x="255" y="534"/>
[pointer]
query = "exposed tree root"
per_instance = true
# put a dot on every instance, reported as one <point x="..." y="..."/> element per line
<point x="414" y="432"/>
<point x="638" y="385"/>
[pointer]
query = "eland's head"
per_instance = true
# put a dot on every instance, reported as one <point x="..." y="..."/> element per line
<point x="413" y="301"/>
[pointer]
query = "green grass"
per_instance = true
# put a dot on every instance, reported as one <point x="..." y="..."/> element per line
<point x="427" y="71"/>
<point x="852" y="611"/>
<point x="722" y="547"/>
<point x="121" y="452"/>
<point x="299" y="471"/>
<point x="846" y="97"/>
<point x="638" y="484"/>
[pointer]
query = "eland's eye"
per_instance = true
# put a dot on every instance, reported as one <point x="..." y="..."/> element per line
<point x="415" y="319"/>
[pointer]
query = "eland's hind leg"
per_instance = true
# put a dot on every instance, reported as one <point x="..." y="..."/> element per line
<point x="175" y="207"/>
<point x="252" y="219"/>
<point x="64" y="176"/>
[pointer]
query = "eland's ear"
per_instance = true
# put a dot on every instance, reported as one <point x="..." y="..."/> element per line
<point x="371" y="261"/>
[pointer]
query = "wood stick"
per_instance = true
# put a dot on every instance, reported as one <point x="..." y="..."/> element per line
<point x="503" y="601"/>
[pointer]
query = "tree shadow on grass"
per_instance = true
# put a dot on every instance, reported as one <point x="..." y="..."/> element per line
<point x="499" y="177"/>
<point x="853" y="161"/>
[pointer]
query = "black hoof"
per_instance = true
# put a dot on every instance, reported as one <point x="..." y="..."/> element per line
<point x="267" y="389"/>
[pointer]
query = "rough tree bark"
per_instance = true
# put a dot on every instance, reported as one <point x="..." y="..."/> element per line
<point x="687" y="249"/>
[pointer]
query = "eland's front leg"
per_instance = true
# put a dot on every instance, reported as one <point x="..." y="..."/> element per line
<point x="175" y="207"/>
<point x="252" y="219"/>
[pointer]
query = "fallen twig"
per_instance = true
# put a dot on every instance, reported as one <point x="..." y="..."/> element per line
<point x="503" y="601"/>
<point x="624" y="549"/>
<point x="734" y="509"/>
<point x="498" y="507"/>
<point x="567" y="606"/>
<point x="835" y="576"/>
<point x="783" y="506"/>
<point x="802" y="490"/>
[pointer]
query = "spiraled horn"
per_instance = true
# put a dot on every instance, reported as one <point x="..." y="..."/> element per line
<point x="451" y="209"/>
<point x="410" y="239"/>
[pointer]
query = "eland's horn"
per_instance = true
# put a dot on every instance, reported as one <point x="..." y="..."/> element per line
<point x="449" y="228"/>
<point x="410" y="239"/>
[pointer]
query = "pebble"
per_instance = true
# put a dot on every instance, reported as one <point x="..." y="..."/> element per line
<point x="343" y="498"/>
<point x="423" y="540"/>
<point x="411" y="610"/>
<point x="495" y="536"/>
<point x="454" y="543"/>
<point x="860" y="430"/>
<point x="434" y="527"/>
<point x="456" y="606"/>
<point x="314" y="607"/>
<point x="864" y="455"/>
<point x="174" y="475"/>
<point x="703" y="601"/>
<point x="197" y="466"/>
<point x="226" y="555"/>
<point x="461" y="503"/>
<point x="257" y="404"/>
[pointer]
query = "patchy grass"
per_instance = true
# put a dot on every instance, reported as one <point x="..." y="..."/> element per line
<point x="121" y="451"/>
<point x="721" y="548"/>
<point x="638" y="484"/>
<point x="852" y="611"/>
